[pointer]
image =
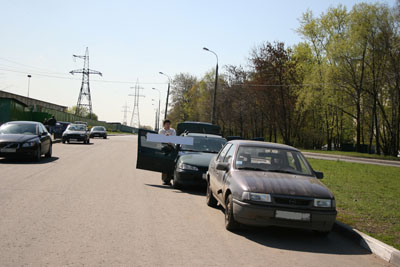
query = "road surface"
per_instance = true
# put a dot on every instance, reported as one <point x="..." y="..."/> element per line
<point x="381" y="162"/>
<point x="89" y="206"/>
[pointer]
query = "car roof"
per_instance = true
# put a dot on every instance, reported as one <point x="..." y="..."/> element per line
<point x="23" y="122"/>
<point x="204" y="135"/>
<point x="262" y="144"/>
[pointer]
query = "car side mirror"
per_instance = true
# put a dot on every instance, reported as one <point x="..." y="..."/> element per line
<point x="319" y="175"/>
<point x="222" y="166"/>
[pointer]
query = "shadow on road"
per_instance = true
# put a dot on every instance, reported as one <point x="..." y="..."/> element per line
<point x="27" y="160"/>
<point x="199" y="191"/>
<point x="78" y="143"/>
<point x="302" y="240"/>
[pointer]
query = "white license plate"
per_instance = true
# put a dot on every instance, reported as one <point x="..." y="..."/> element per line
<point x="204" y="176"/>
<point x="8" y="150"/>
<point x="296" y="216"/>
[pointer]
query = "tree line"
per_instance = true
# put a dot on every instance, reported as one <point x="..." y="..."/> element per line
<point x="339" y="87"/>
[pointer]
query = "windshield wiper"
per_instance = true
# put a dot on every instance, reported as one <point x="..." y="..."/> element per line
<point x="283" y="171"/>
<point x="252" y="169"/>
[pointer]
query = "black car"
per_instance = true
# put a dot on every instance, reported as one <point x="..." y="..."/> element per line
<point x="98" y="131"/>
<point x="268" y="184"/>
<point x="25" y="139"/>
<point x="187" y="163"/>
<point x="76" y="133"/>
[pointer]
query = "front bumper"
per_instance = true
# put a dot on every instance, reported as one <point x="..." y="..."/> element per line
<point x="74" y="138"/>
<point x="259" y="215"/>
<point x="20" y="152"/>
<point x="187" y="177"/>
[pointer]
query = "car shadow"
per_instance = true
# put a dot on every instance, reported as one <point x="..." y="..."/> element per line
<point x="192" y="190"/>
<point x="16" y="161"/>
<point x="79" y="143"/>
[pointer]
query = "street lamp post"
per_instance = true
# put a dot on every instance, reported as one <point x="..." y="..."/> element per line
<point x="29" y="82"/>
<point x="166" y="104"/>
<point x="159" y="104"/>
<point x="213" y="113"/>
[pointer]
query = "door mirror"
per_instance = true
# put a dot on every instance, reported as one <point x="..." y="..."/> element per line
<point x="222" y="166"/>
<point x="319" y="175"/>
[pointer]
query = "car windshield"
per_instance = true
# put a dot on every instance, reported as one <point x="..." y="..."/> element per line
<point x="271" y="160"/>
<point x="98" y="128"/>
<point x="205" y="144"/>
<point x="77" y="128"/>
<point x="13" y="128"/>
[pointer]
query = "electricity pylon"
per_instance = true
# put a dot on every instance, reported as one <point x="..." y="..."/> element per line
<point x="125" y="111"/>
<point x="135" y="119"/>
<point x="84" y="100"/>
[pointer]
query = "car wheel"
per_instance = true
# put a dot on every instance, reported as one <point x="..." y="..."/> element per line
<point x="105" y="137"/>
<point x="63" y="141"/>
<point x="210" y="199"/>
<point x="49" y="153"/>
<point x="68" y="141"/>
<point x="38" y="155"/>
<point x="230" y="223"/>
<point x="175" y="184"/>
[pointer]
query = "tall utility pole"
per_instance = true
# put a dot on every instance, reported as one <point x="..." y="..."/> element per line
<point x="29" y="82"/>
<point x="166" y="102"/>
<point x="135" y="119"/>
<point x="84" y="100"/>
<point x="125" y="111"/>
<point x="213" y="114"/>
<point x="159" y="106"/>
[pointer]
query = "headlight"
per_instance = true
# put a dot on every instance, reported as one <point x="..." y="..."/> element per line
<point x="28" y="144"/>
<point x="322" y="203"/>
<point x="256" y="197"/>
<point x="184" y="166"/>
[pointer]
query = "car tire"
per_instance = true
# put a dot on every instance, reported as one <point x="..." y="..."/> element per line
<point x="210" y="199"/>
<point x="175" y="184"/>
<point x="230" y="223"/>
<point x="68" y="141"/>
<point x="63" y="141"/>
<point x="105" y="137"/>
<point x="50" y="152"/>
<point x="38" y="155"/>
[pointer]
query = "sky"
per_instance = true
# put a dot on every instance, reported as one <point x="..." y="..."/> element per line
<point x="133" y="41"/>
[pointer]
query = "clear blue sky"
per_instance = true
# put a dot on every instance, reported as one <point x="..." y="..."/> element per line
<point x="131" y="40"/>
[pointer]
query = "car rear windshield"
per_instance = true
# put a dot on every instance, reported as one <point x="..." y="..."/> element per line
<point x="98" y="128"/>
<point x="13" y="128"/>
<point x="205" y="144"/>
<point x="77" y="128"/>
<point x="272" y="160"/>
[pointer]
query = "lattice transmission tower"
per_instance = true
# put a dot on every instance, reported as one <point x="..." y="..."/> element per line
<point x="125" y="110"/>
<point x="84" y="104"/>
<point x="135" y="119"/>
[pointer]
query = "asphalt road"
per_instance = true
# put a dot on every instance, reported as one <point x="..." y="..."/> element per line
<point x="89" y="206"/>
<point x="381" y="162"/>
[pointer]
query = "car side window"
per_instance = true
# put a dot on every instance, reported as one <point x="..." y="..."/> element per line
<point x="223" y="152"/>
<point x="39" y="129"/>
<point x="229" y="155"/>
<point x="43" y="128"/>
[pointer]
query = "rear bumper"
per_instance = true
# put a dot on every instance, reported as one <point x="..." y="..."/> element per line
<point x="189" y="177"/>
<point x="257" y="215"/>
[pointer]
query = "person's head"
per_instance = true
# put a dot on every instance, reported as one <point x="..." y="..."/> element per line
<point x="167" y="124"/>
<point x="52" y="116"/>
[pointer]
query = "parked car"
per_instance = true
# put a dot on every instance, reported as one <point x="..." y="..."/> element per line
<point x="98" y="131"/>
<point x="25" y="139"/>
<point x="187" y="163"/>
<point x="265" y="184"/>
<point x="81" y="122"/>
<point x="60" y="127"/>
<point x="77" y="133"/>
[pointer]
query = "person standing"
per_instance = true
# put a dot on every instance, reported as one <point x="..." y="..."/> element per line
<point x="168" y="131"/>
<point x="52" y="123"/>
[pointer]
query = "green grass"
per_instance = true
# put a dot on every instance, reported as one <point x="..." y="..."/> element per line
<point x="353" y="154"/>
<point x="367" y="197"/>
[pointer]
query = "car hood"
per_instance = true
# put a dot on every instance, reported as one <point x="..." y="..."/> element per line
<point x="281" y="184"/>
<point x="74" y="132"/>
<point x="16" y="138"/>
<point x="199" y="159"/>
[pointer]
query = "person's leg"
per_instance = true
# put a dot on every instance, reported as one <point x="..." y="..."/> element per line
<point x="166" y="178"/>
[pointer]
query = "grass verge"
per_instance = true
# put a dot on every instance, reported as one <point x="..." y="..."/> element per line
<point x="353" y="154"/>
<point x="367" y="197"/>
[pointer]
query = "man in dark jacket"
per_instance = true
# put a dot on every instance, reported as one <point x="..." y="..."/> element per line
<point x="52" y="122"/>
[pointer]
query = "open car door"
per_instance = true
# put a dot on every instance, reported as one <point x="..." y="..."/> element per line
<point x="153" y="156"/>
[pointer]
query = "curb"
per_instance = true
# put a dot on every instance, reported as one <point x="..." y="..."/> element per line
<point x="382" y="250"/>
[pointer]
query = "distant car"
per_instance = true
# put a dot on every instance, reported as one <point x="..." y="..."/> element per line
<point x="98" y="131"/>
<point x="60" y="127"/>
<point x="25" y="139"/>
<point x="76" y="133"/>
<point x="265" y="184"/>
<point x="81" y="122"/>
